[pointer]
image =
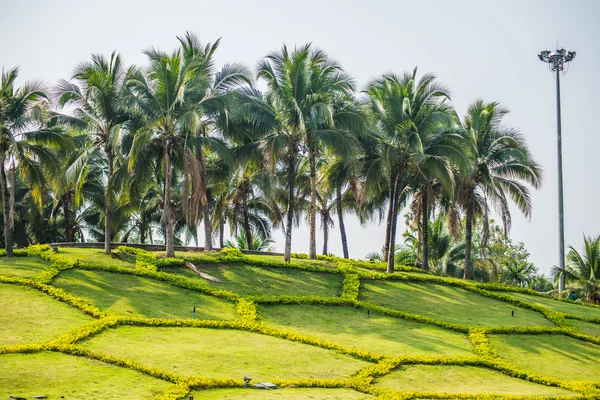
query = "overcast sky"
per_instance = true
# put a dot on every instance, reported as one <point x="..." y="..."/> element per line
<point x="478" y="49"/>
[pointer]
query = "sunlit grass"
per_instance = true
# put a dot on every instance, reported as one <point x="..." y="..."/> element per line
<point x="287" y="394"/>
<point x="557" y="305"/>
<point x="24" y="267"/>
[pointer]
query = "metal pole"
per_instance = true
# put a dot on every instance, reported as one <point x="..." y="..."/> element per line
<point x="561" y="216"/>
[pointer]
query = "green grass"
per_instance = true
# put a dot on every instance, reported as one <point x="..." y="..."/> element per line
<point x="557" y="305"/>
<point x="131" y="295"/>
<point x="249" y="280"/>
<point x="287" y="394"/>
<point x="223" y="353"/>
<point x="377" y="333"/>
<point x="95" y="256"/>
<point x="551" y="355"/>
<point x="55" y="375"/>
<point x="455" y="379"/>
<point x="28" y="316"/>
<point x="448" y="304"/>
<point x="586" y="327"/>
<point x="24" y="267"/>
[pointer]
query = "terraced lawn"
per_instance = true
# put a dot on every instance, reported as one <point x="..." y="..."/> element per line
<point x="287" y="394"/>
<point x="375" y="332"/>
<point x="556" y="356"/>
<point x="586" y="327"/>
<point x="557" y="305"/>
<point x="55" y="375"/>
<point x="218" y="353"/>
<point x="449" y="304"/>
<point x="131" y="295"/>
<point x="24" y="267"/>
<point x="96" y="256"/>
<point x="249" y="280"/>
<point x="28" y="316"/>
<point x="462" y="379"/>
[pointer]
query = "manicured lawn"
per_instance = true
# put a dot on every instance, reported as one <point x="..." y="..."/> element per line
<point x="55" y="375"/>
<point x="586" y="327"/>
<point x="96" y="256"/>
<point x="377" y="333"/>
<point x="556" y="356"/>
<point x="249" y="280"/>
<point x="28" y="316"/>
<point x="219" y="353"/>
<point x="458" y="379"/>
<point x="24" y="267"/>
<point x="131" y="295"/>
<point x="448" y="304"/>
<point x="560" y="306"/>
<point x="287" y="394"/>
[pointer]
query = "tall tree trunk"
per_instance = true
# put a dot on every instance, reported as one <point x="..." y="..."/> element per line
<point x="287" y="256"/>
<point x="340" y="213"/>
<point x="312" y="249"/>
<point x="6" y="208"/>
<point x="247" y="229"/>
<point x="469" y="232"/>
<point x="167" y="217"/>
<point x="69" y="233"/>
<point x="206" y="207"/>
<point x="107" y="201"/>
<point x="388" y="221"/>
<point x="142" y="233"/>
<point x="392" y="243"/>
<point x="222" y="234"/>
<point x="325" y="233"/>
<point x="425" y="230"/>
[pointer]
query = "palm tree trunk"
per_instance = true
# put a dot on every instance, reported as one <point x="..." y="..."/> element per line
<point x="325" y="233"/>
<point x="6" y="208"/>
<point x="142" y="233"/>
<point x="247" y="229"/>
<point x="206" y="207"/>
<point x="388" y="223"/>
<point x="69" y="232"/>
<point x="107" y="202"/>
<point x="287" y="256"/>
<point x="168" y="219"/>
<point x="392" y="243"/>
<point x="469" y="232"/>
<point x="312" y="249"/>
<point x="425" y="230"/>
<point x="340" y="213"/>
<point x="222" y="234"/>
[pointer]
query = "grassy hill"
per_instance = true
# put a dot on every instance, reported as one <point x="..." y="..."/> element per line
<point x="81" y="324"/>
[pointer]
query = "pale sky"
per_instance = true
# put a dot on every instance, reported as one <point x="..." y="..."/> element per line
<point x="478" y="49"/>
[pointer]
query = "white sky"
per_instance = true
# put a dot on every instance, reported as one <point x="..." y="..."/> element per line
<point x="478" y="49"/>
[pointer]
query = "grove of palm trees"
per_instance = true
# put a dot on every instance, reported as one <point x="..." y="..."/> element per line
<point x="154" y="153"/>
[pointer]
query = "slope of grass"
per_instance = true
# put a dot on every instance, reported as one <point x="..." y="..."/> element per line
<point x="288" y="394"/>
<point x="249" y="280"/>
<point x="55" y="375"/>
<point x="448" y="304"/>
<point x="551" y="355"/>
<point x="95" y="256"/>
<point x="376" y="333"/>
<point x="24" y="267"/>
<point x="586" y="327"/>
<point x="557" y="305"/>
<point x="131" y="295"/>
<point x="223" y="353"/>
<point x="28" y="316"/>
<point x="454" y="379"/>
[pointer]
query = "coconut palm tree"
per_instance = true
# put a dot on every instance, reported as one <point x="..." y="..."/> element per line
<point x="499" y="166"/>
<point x="98" y="112"/>
<point x="517" y="273"/>
<point x="407" y="112"/>
<point x="584" y="269"/>
<point x="303" y="86"/>
<point x="26" y="142"/>
<point x="181" y="100"/>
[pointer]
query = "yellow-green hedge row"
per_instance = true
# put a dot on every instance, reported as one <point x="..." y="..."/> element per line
<point x="173" y="392"/>
<point x="350" y="286"/>
<point x="86" y="331"/>
<point x="481" y="343"/>
<point x="393" y="395"/>
<point x="247" y="311"/>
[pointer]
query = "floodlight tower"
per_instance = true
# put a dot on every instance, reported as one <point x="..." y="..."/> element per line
<point x="556" y="61"/>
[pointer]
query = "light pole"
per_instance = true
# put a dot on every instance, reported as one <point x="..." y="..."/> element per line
<point x="556" y="61"/>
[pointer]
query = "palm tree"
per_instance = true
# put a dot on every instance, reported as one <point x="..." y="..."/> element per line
<point x="98" y="113"/>
<point x="499" y="165"/>
<point x="303" y="87"/>
<point x="517" y="273"/>
<point x="25" y="144"/>
<point x="584" y="269"/>
<point x="407" y="113"/>
<point x="181" y="100"/>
